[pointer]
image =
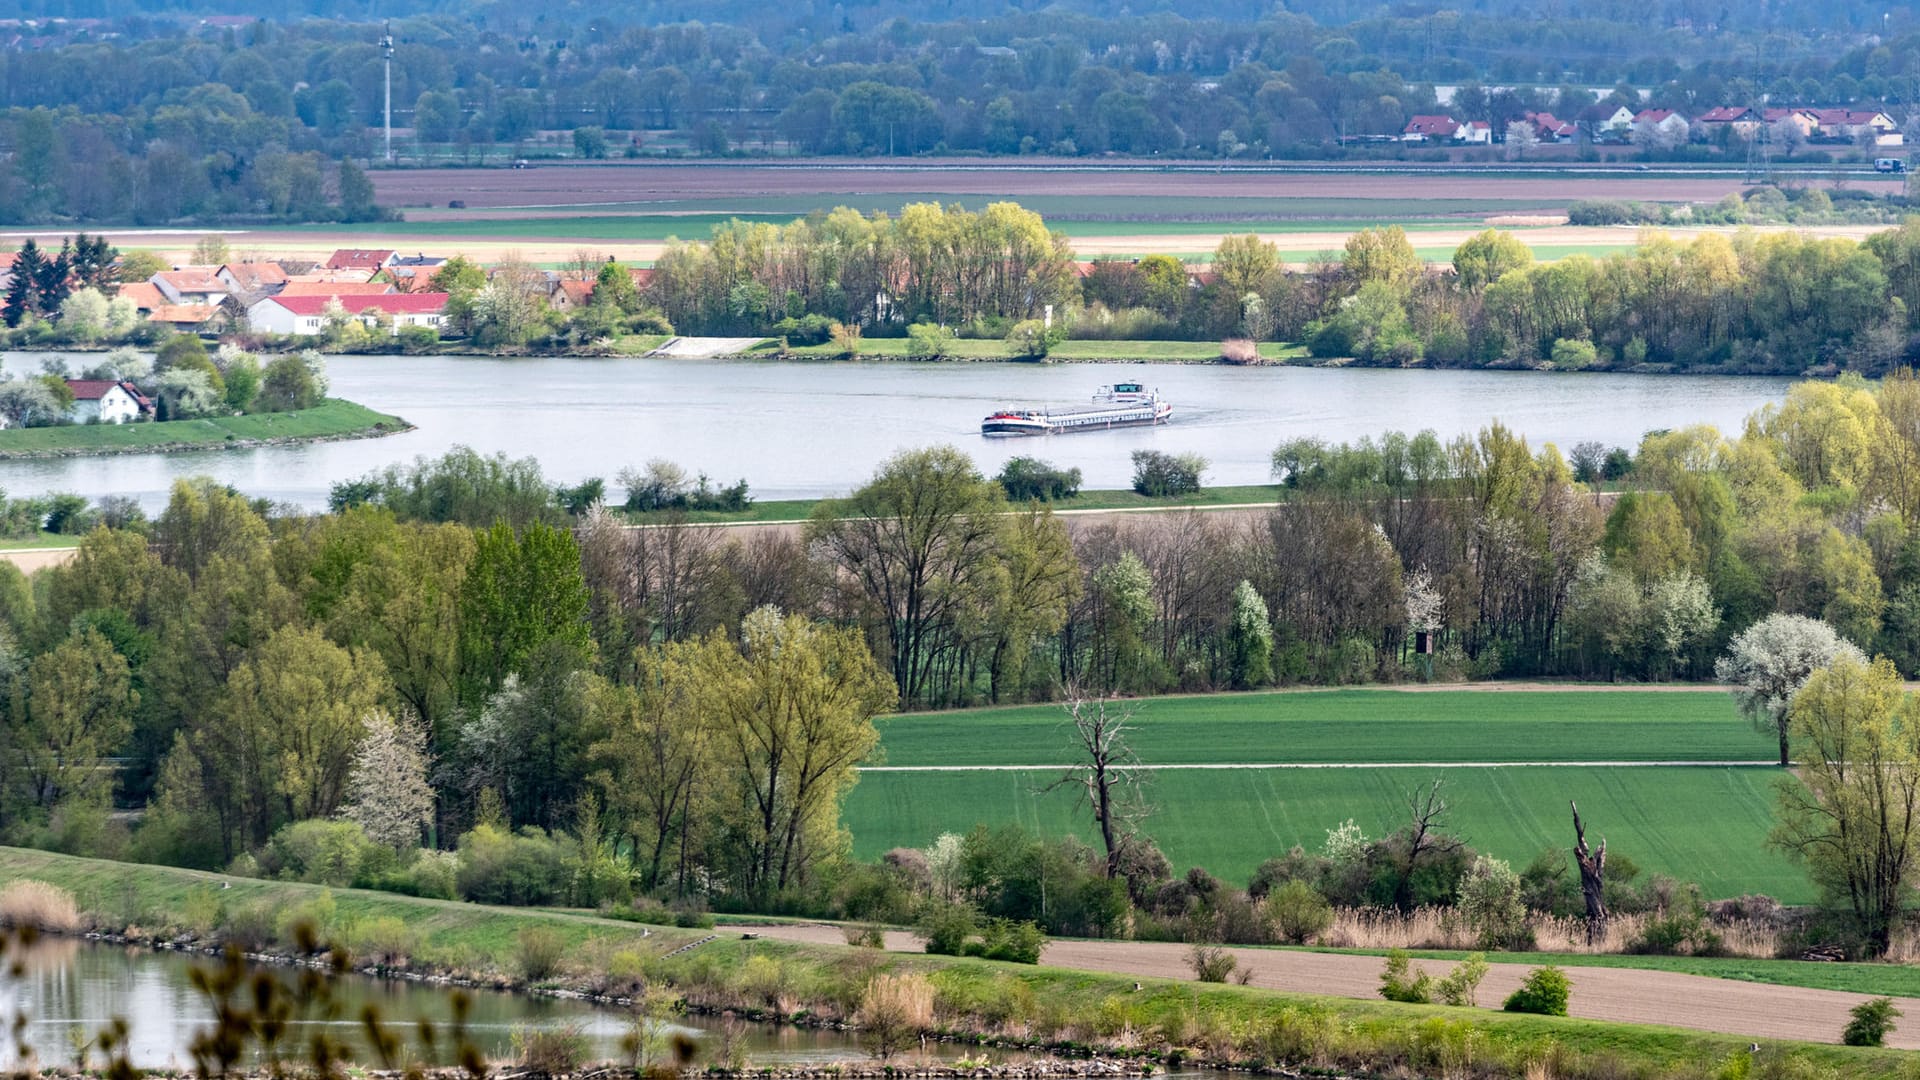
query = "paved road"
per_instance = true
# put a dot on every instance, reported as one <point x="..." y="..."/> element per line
<point x="1753" y="1010"/>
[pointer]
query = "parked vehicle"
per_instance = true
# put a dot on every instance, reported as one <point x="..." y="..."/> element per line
<point x="1889" y="165"/>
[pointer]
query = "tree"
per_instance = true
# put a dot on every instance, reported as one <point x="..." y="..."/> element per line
<point x="656" y="760"/>
<point x="210" y="250"/>
<point x="83" y="317"/>
<point x="920" y="540"/>
<point x="1029" y="340"/>
<point x="288" y="383"/>
<point x="23" y="299"/>
<point x="1381" y="255"/>
<point x="387" y="791"/>
<point x="1522" y="136"/>
<point x="522" y="594"/>
<point x="793" y="705"/>
<point x="1767" y="663"/>
<point x="1853" y="815"/>
<point x="1246" y="265"/>
<point x="1158" y="474"/>
<point x="356" y="194"/>
<point x="79" y="711"/>
<point x="590" y="142"/>
<point x="613" y="286"/>
<point x="1109" y="775"/>
<point x="1486" y="257"/>
<point x="1249" y="638"/>
<point x="1593" y="872"/>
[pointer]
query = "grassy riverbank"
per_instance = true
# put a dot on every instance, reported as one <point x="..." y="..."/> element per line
<point x="1076" y="350"/>
<point x="333" y="419"/>
<point x="773" y="511"/>
<point x="1117" y="1014"/>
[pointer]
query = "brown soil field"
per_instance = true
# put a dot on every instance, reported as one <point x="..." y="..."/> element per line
<point x="582" y="184"/>
<point x="1754" y="1010"/>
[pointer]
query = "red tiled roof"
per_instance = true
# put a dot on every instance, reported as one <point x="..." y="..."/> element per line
<point x="578" y="292"/>
<point x="145" y="295"/>
<point x="197" y="279"/>
<point x="391" y="303"/>
<point x="359" y="259"/>
<point x="90" y="389"/>
<point x="1431" y="125"/>
<point x="335" y="288"/>
<point x="1844" y="117"/>
<point x="255" y="275"/>
<point x="184" y="314"/>
<point x="641" y="275"/>
<point x="1651" y="116"/>
<point x="1726" y="114"/>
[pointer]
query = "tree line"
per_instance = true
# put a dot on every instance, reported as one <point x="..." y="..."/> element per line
<point x="165" y="121"/>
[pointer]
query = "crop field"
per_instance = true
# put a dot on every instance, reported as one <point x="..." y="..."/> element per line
<point x="1363" y="750"/>
<point x="1697" y="823"/>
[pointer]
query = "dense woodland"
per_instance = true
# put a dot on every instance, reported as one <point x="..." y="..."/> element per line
<point x="154" y="119"/>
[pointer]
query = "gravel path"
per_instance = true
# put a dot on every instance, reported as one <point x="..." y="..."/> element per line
<point x="1753" y="1010"/>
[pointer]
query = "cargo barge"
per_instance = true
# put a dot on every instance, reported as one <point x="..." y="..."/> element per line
<point x="1119" y="405"/>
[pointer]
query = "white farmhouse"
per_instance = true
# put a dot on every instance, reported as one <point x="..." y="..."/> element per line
<point x="105" y="400"/>
<point x="306" y="315"/>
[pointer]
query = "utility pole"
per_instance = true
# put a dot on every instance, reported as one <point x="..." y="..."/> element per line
<point x="386" y="53"/>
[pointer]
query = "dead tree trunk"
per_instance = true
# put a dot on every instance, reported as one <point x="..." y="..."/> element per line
<point x="1593" y="869"/>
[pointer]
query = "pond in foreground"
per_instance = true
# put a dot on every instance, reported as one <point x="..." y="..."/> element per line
<point x="69" y="991"/>
<point x="806" y="429"/>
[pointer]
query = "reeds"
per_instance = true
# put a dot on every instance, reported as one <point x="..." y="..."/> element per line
<point x="27" y="902"/>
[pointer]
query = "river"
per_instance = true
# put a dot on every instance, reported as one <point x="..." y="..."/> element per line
<point x="804" y="429"/>
<point x="69" y="990"/>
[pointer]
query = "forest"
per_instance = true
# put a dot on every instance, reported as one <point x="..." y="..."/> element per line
<point x="155" y="119"/>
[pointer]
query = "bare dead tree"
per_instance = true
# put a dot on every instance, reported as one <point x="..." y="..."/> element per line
<point x="1593" y="869"/>
<point x="1426" y="811"/>
<point x="1110" y="777"/>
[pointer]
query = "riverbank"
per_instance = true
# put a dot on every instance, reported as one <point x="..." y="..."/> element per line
<point x="789" y="511"/>
<point x="332" y="421"/>
<point x="1013" y="1006"/>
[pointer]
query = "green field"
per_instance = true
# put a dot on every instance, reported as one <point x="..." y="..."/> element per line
<point x="1702" y="822"/>
<point x="1357" y="727"/>
<point x="332" y="419"/>
<point x="1696" y="823"/>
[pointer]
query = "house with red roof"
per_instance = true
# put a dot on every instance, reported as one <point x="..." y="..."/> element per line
<point x="106" y="401"/>
<point x="189" y="318"/>
<point x="341" y="289"/>
<point x="306" y="315"/>
<point x="1552" y="129"/>
<point x="1738" y="119"/>
<point x="368" y="259"/>
<point x="1475" y="133"/>
<point x="1663" y="124"/>
<point x="1856" y="125"/>
<point x="255" y="278"/>
<point x="569" y="293"/>
<point x="191" y="285"/>
<point x="145" y="295"/>
<point x="1429" y="129"/>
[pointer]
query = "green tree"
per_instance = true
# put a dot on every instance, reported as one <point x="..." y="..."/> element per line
<point x="288" y="383"/>
<point x="921" y="542"/>
<point x="356" y="194"/>
<point x="1249" y="638"/>
<point x="1767" y="664"/>
<point x="1382" y="255"/>
<point x="656" y="763"/>
<point x="521" y="594"/>
<point x="1488" y="256"/>
<point x="613" y="286"/>
<point x="793" y="705"/>
<point x="79" y="709"/>
<point x="1853" y="815"/>
<point x="1246" y="264"/>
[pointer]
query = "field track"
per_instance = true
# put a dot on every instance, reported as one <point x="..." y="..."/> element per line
<point x="1619" y="994"/>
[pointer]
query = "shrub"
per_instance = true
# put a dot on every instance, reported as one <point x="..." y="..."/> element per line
<point x="202" y="911"/>
<point x="1870" y="1024"/>
<point x="1402" y="981"/>
<point x="1544" y="993"/>
<point x="1156" y="473"/>
<point x="1461" y="986"/>
<point x="865" y="935"/>
<point x="1298" y="912"/>
<point x="847" y="340"/>
<point x="386" y="940"/>
<point x="1489" y="899"/>
<point x="38" y="904"/>
<point x="1239" y="351"/>
<point x="322" y="852"/>
<point x="1015" y="941"/>
<point x="551" y="1051"/>
<point x="251" y="927"/>
<point x="417" y="339"/>
<point x="528" y="867"/>
<point x="893" y="1012"/>
<point x="928" y="341"/>
<point x="947" y="928"/>
<point x="540" y="950"/>
<point x="1029" y="340"/>
<point x="1025" y="479"/>
<point x="1211" y="963"/>
<point x="1573" y="354"/>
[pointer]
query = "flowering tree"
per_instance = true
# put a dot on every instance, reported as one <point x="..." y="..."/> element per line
<point x="387" y="790"/>
<point x="1768" y="663"/>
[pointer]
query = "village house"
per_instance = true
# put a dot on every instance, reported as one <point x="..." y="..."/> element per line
<point x="1857" y="125"/>
<point x="106" y="401"/>
<point x="307" y="315"/>
<point x="1475" y="133"/>
<point x="1552" y="129"/>
<point x="191" y="285"/>
<point x="1429" y="129"/>
<point x="567" y="293"/>
<point x="1606" y="123"/>
<point x="1740" y="120"/>
<point x="1803" y="119"/>
<point x="186" y="318"/>
<point x="341" y="289"/>
<point x="145" y="295"/>
<point x="1660" y="124"/>
<point x="254" y="279"/>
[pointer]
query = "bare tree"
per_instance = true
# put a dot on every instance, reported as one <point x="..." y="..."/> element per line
<point x="1425" y="813"/>
<point x="1110" y="775"/>
<point x="1593" y="869"/>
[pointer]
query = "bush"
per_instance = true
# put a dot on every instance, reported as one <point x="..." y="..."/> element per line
<point x="1544" y="993"/>
<point x="1401" y="981"/>
<point x="805" y="330"/>
<point x="1298" y="912"/>
<point x="1029" y="340"/>
<point x="1211" y="963"/>
<point x="540" y="950"/>
<point x="551" y="1051"/>
<point x="928" y="341"/>
<point x="322" y="852"/>
<point x="947" y="928"/>
<point x="1573" y="354"/>
<point x="1870" y="1024"/>
<point x="1015" y="941"/>
<point x="865" y="935"/>
<point x="1025" y="479"/>
<point x="1461" y="986"/>
<point x="417" y="339"/>
<point x="1239" y="351"/>
<point x="1489" y="899"/>
<point x="40" y="905"/>
<point x="846" y="339"/>
<point x="893" y="1012"/>
<point x="1157" y="474"/>
<point x="528" y="867"/>
<point x="386" y="940"/>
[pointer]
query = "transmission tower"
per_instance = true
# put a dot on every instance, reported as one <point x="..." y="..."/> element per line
<point x="386" y="53"/>
<point x="1760" y="154"/>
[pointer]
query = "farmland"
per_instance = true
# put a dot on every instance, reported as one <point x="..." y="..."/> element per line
<point x="1701" y="822"/>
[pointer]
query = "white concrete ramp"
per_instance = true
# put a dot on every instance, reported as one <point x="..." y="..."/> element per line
<point x="704" y="348"/>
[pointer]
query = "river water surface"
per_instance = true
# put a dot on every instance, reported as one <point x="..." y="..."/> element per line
<point x="804" y="429"/>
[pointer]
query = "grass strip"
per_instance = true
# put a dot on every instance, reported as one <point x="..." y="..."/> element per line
<point x="1227" y="1024"/>
<point x="774" y="511"/>
<point x="332" y="419"/>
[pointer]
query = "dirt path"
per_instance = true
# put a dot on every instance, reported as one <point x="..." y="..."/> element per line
<point x="1754" y="1010"/>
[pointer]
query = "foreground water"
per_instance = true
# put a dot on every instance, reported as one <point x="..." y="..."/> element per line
<point x="805" y="429"/>
<point x="69" y="991"/>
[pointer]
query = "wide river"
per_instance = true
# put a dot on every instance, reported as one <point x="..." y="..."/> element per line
<point x="803" y="429"/>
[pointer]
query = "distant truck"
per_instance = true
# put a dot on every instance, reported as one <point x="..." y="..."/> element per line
<point x="1890" y="165"/>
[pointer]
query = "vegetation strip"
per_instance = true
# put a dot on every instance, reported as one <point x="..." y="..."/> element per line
<point x="334" y="420"/>
<point x="1071" y="1010"/>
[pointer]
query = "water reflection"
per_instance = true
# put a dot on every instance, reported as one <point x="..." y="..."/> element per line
<point x="70" y="991"/>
